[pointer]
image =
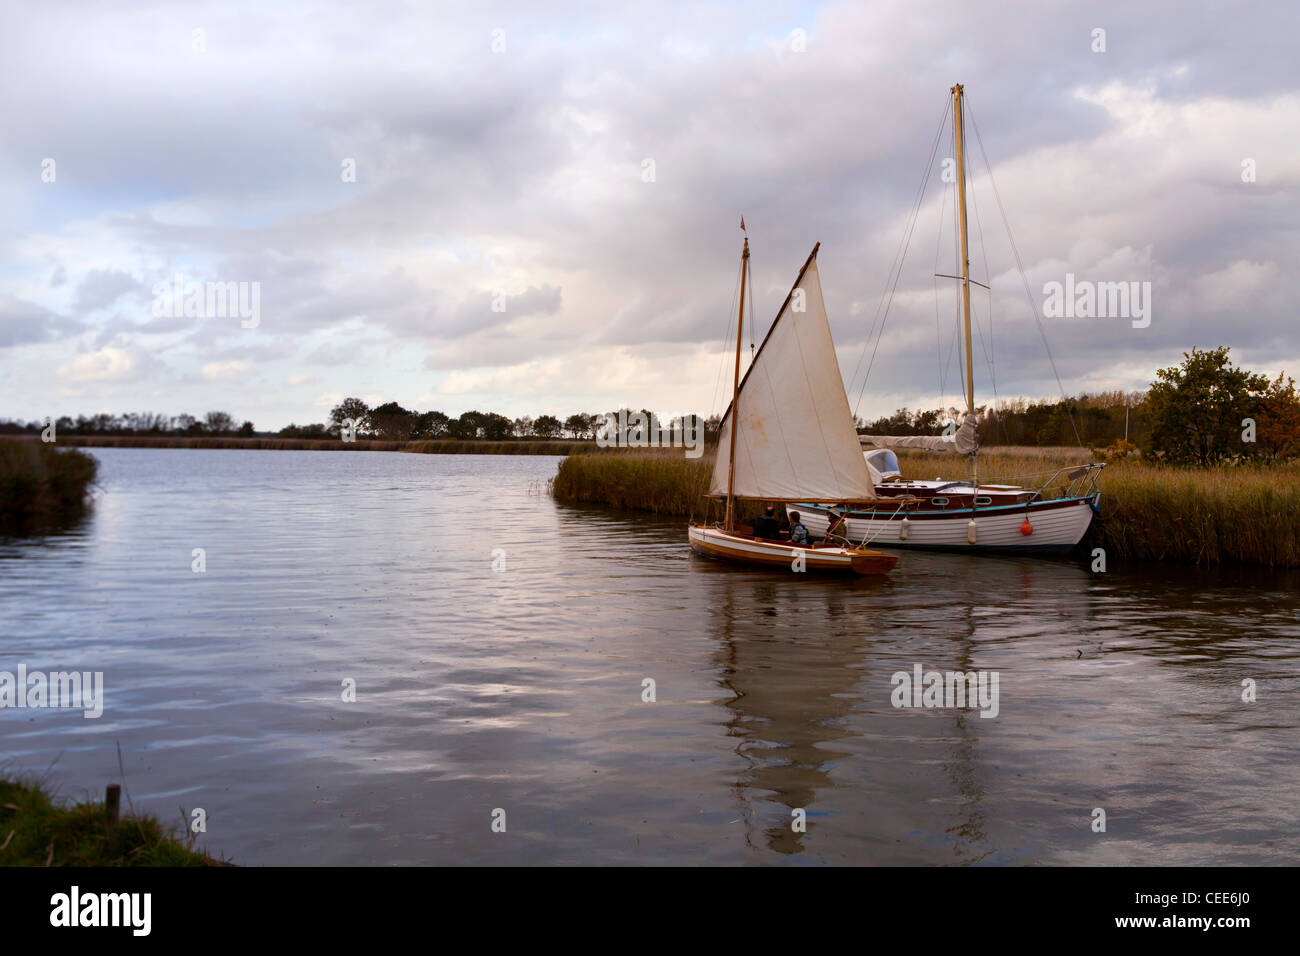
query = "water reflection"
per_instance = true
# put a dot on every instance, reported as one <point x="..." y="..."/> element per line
<point x="790" y="678"/>
<point x="807" y="663"/>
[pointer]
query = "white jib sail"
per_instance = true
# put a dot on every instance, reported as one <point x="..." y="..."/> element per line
<point x="796" y="440"/>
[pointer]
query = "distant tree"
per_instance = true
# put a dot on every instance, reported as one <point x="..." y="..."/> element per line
<point x="101" y="424"/>
<point x="547" y="426"/>
<point x="184" y="425"/>
<point x="350" y="408"/>
<point x="1056" y="430"/>
<point x="468" y="426"/>
<point x="1278" y="425"/>
<point x="1196" y="408"/>
<point x="219" y="423"/>
<point x="652" y="421"/>
<point x="145" y="422"/>
<point x="246" y="430"/>
<point x="928" y="422"/>
<point x="523" y="427"/>
<point x="304" y="431"/>
<point x="497" y="427"/>
<point x="430" y="425"/>
<point x="390" y="422"/>
<point x="580" y="425"/>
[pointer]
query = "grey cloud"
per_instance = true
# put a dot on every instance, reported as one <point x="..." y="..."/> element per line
<point x="23" y="322"/>
<point x="102" y="287"/>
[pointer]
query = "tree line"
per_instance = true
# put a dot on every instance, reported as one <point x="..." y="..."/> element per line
<point x="1202" y="411"/>
<point x="136" y="423"/>
<point x="391" y="422"/>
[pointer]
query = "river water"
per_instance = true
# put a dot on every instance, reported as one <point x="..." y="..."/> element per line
<point x="500" y="646"/>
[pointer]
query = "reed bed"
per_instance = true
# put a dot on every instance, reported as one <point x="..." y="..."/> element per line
<point x="1227" y="515"/>
<point x="42" y="487"/>
<point x="660" y="481"/>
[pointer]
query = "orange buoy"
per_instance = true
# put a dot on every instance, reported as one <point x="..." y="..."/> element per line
<point x="1026" y="528"/>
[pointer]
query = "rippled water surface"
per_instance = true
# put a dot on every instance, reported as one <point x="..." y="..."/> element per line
<point x="521" y="689"/>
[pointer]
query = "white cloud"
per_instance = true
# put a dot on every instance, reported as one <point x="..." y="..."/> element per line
<point x="225" y="371"/>
<point x="108" y="364"/>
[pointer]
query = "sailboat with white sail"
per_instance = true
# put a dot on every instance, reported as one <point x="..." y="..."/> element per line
<point x="962" y="514"/>
<point x="789" y="435"/>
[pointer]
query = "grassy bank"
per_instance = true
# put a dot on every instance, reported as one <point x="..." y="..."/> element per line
<point x="42" y="487"/>
<point x="35" y="830"/>
<point x="439" y="447"/>
<point x="1224" y="515"/>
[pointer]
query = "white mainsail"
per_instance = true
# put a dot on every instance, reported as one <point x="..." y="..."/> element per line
<point x="796" y="440"/>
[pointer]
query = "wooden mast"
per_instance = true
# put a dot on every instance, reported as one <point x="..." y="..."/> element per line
<point x="735" y="393"/>
<point x="958" y="95"/>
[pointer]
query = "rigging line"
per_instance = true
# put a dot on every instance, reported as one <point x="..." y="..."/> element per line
<point x="899" y="258"/>
<point x="717" y="385"/>
<point x="934" y="280"/>
<point x="1015" y="251"/>
<point x="988" y="349"/>
<point x="752" y="324"/>
<point x="901" y="253"/>
<point x="990" y="354"/>
<point x="939" y="333"/>
<point x="952" y="343"/>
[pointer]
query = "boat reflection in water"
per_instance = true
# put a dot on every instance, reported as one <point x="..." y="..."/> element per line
<point x="808" y="670"/>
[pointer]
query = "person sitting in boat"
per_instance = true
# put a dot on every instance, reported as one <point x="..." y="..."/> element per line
<point x="798" y="533"/>
<point x="766" y="527"/>
<point x="836" y="523"/>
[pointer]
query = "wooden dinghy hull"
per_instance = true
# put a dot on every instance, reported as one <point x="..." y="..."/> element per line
<point x="716" y="543"/>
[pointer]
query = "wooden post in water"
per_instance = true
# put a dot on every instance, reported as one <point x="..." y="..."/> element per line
<point x="112" y="804"/>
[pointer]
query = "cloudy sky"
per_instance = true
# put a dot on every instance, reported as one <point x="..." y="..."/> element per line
<point x="585" y="166"/>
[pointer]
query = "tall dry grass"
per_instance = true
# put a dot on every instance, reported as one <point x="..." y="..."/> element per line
<point x="1225" y="515"/>
<point x="660" y="481"/>
<point x="1228" y="514"/>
